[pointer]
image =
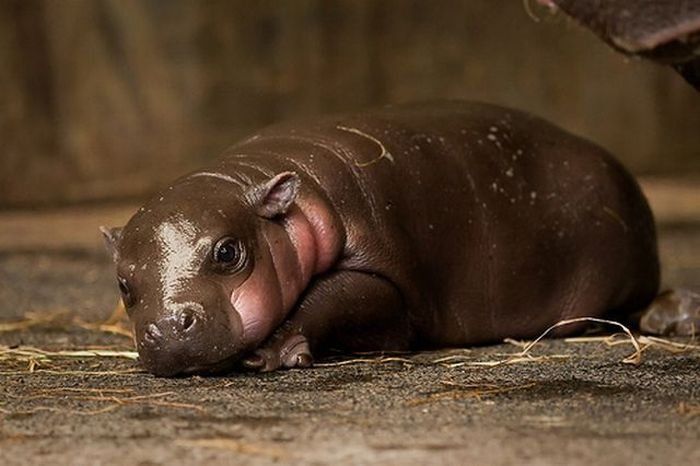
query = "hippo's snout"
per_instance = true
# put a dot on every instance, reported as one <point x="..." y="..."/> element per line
<point x="186" y="340"/>
<point x="185" y="321"/>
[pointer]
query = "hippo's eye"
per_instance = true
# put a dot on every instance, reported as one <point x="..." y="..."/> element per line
<point x="229" y="254"/>
<point x="125" y="291"/>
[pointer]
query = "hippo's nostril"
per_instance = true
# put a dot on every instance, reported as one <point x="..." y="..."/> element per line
<point x="187" y="319"/>
<point x="152" y="334"/>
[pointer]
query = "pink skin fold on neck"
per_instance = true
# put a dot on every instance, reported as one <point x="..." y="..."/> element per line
<point x="307" y="243"/>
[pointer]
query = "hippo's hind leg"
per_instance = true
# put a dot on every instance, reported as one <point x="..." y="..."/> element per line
<point x="674" y="312"/>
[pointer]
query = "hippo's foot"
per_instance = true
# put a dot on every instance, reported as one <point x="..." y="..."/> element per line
<point x="674" y="312"/>
<point x="281" y="351"/>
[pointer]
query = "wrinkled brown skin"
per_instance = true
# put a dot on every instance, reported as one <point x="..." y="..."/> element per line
<point x="667" y="31"/>
<point x="456" y="224"/>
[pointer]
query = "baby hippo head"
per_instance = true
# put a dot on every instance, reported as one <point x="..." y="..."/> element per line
<point x="196" y="272"/>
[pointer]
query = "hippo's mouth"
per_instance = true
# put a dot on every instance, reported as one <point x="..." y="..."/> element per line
<point x="215" y="368"/>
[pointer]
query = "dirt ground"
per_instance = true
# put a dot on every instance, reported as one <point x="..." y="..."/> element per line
<point x="570" y="402"/>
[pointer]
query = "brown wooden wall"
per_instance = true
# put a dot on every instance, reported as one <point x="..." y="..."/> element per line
<point x="107" y="99"/>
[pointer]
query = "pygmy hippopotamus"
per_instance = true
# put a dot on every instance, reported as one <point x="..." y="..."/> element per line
<point x="405" y="227"/>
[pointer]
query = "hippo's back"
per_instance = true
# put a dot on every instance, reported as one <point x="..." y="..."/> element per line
<point x="477" y="213"/>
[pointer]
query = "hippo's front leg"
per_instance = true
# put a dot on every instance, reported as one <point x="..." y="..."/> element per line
<point x="348" y="309"/>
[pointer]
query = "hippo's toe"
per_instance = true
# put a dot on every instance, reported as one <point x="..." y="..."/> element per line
<point x="292" y="351"/>
<point x="674" y="312"/>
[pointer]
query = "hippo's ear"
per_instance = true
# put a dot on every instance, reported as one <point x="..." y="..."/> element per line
<point x="112" y="236"/>
<point x="274" y="196"/>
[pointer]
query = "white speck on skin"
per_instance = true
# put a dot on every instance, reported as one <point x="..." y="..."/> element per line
<point x="509" y="172"/>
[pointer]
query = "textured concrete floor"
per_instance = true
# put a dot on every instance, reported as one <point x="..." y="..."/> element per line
<point x="580" y="405"/>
